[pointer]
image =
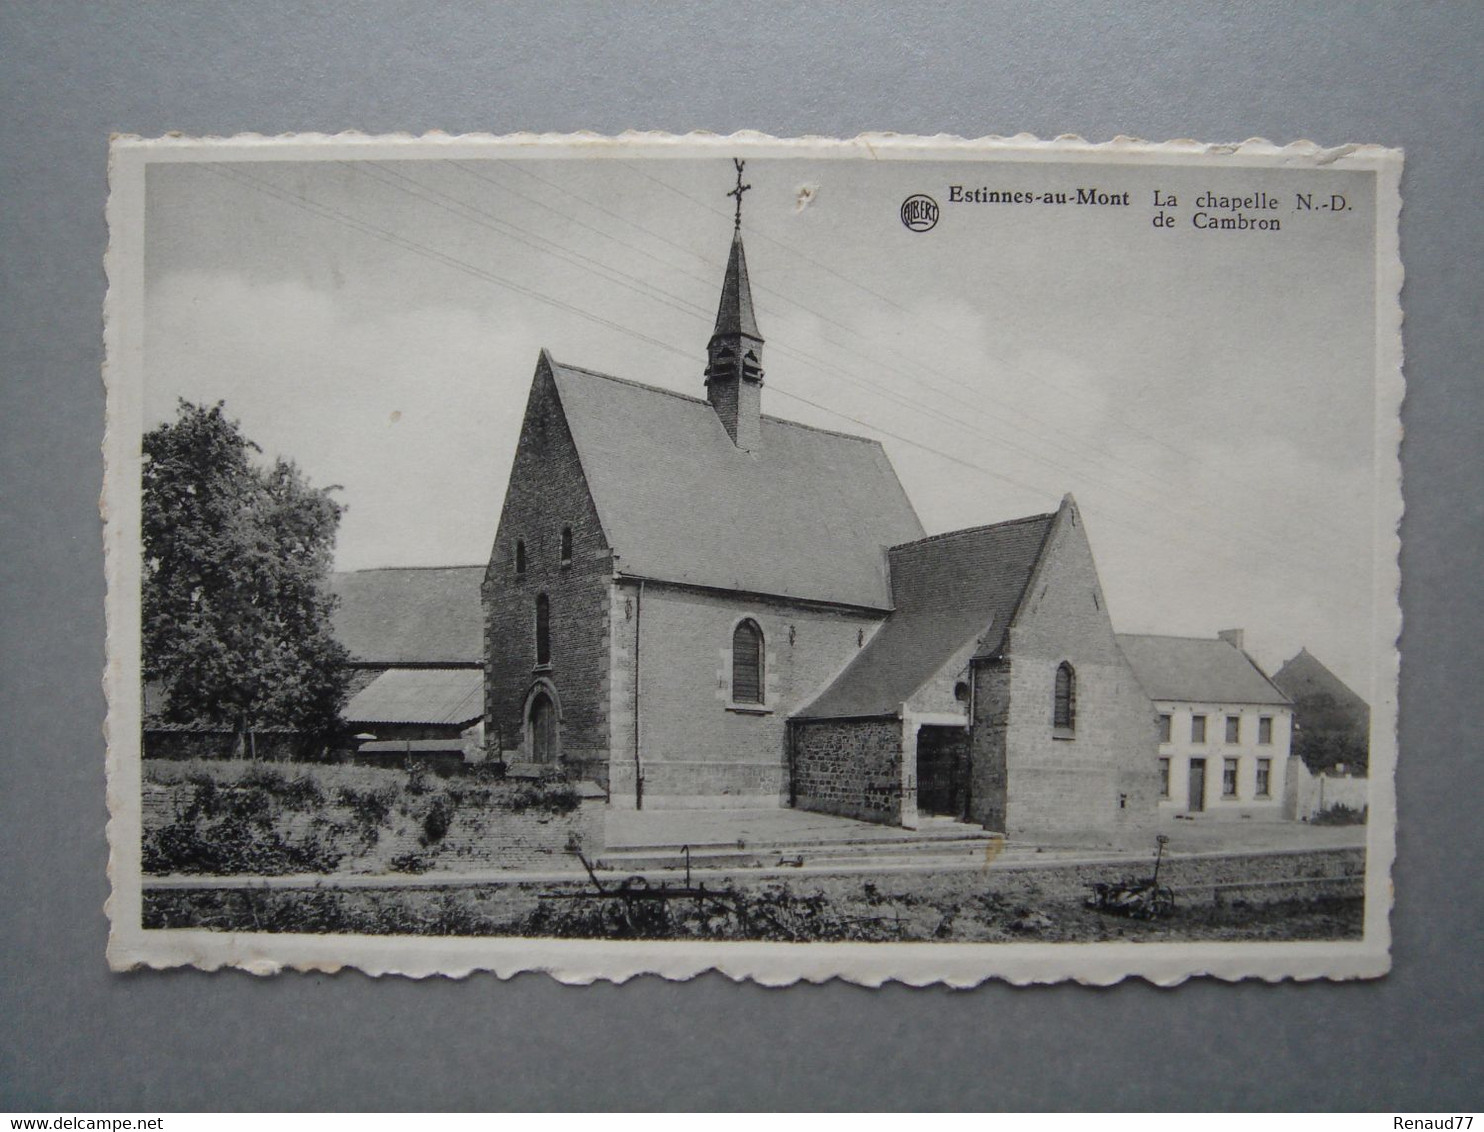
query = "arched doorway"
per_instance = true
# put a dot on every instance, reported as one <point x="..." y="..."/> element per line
<point x="541" y="729"/>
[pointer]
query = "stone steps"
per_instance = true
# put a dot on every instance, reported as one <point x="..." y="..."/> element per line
<point x="949" y="847"/>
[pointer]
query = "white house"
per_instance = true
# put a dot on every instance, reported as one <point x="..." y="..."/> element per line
<point x="1224" y="727"/>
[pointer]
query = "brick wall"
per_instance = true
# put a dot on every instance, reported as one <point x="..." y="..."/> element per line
<point x="547" y="492"/>
<point x="697" y="747"/>
<point x="850" y="767"/>
<point x="1103" y="776"/>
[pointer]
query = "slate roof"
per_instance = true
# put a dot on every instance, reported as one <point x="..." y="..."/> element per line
<point x="808" y="517"/>
<point x="950" y="590"/>
<point x="419" y="695"/>
<point x="734" y="314"/>
<point x="411" y="615"/>
<point x="1306" y="675"/>
<point x="1202" y="670"/>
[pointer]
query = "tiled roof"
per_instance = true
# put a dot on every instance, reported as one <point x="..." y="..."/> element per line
<point x="411" y="615"/>
<point x="949" y="589"/>
<point x="419" y="695"/>
<point x="807" y="517"/>
<point x="1203" y="670"/>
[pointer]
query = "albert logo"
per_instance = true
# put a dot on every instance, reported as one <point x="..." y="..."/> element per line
<point x="920" y="212"/>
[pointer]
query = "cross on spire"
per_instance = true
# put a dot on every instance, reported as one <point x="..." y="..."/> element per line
<point x="737" y="192"/>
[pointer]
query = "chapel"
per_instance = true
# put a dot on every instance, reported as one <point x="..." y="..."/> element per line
<point x="695" y="604"/>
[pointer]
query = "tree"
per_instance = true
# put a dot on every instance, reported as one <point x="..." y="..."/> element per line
<point x="1326" y="735"/>
<point x="236" y="566"/>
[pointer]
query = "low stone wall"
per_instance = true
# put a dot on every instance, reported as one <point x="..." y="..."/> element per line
<point x="850" y="767"/>
<point x="1258" y="878"/>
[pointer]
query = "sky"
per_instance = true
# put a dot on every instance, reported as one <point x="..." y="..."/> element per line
<point x="1207" y="396"/>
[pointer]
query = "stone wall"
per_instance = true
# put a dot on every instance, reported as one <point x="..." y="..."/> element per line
<point x="696" y="746"/>
<point x="1030" y="779"/>
<point x="850" y="767"/>
<point x="548" y="492"/>
<point x="1197" y="878"/>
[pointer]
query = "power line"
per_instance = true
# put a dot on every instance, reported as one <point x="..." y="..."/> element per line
<point x="679" y="303"/>
<point x="1159" y="482"/>
<point x="328" y="212"/>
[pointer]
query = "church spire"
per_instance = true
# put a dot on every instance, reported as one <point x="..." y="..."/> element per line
<point x="734" y="371"/>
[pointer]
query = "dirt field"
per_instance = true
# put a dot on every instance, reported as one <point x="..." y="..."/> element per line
<point x="1042" y="905"/>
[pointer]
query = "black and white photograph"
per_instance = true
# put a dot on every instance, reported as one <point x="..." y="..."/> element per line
<point x="885" y="559"/>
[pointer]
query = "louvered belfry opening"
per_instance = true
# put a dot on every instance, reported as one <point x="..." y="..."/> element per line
<point x="734" y="369"/>
<point x="747" y="664"/>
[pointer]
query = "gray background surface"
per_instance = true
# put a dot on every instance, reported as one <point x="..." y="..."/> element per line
<point x="74" y="1037"/>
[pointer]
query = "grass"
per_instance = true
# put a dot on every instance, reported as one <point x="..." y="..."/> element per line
<point x="234" y="816"/>
<point x="881" y="909"/>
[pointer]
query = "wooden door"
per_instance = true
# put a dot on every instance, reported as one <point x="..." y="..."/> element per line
<point x="942" y="771"/>
<point x="1197" y="785"/>
<point x="543" y="726"/>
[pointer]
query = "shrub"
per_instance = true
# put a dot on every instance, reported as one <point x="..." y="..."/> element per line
<point x="554" y="795"/>
<point x="233" y="845"/>
<point x="370" y="808"/>
<point x="1339" y="814"/>
<point x="264" y="777"/>
<point x="437" y="820"/>
<point x="418" y="778"/>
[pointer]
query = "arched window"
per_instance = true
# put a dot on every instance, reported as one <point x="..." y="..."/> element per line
<point x="1064" y="711"/>
<point x="566" y="546"/>
<point x="543" y="630"/>
<point x="520" y="556"/>
<point x="747" y="663"/>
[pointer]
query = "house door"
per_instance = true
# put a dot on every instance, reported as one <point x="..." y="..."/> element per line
<point x="543" y="729"/>
<point x="942" y="771"/>
<point x="1197" y="785"/>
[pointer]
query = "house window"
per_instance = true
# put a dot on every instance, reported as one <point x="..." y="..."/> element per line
<point x="1164" y="778"/>
<point x="1264" y="777"/>
<point x="747" y="663"/>
<point x="1265" y="730"/>
<point x="1165" y="723"/>
<point x="1234" y="729"/>
<point x="1064" y="706"/>
<point x="543" y="630"/>
<point x="1228" y="778"/>
<point x="520" y="556"/>
<point x="566" y="546"/>
<point x="1198" y="729"/>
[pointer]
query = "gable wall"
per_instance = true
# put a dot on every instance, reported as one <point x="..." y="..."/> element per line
<point x="696" y="749"/>
<point x="1026" y="780"/>
<point x="547" y="490"/>
<point x="937" y="694"/>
